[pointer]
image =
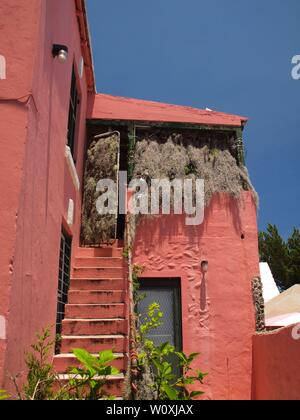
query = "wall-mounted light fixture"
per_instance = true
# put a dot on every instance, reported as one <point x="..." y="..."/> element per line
<point x="60" y="52"/>
<point x="204" y="267"/>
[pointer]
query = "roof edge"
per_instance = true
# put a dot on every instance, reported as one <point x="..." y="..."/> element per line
<point x="214" y="118"/>
<point x="86" y="46"/>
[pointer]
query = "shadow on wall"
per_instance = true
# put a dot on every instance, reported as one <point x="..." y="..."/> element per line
<point x="157" y="228"/>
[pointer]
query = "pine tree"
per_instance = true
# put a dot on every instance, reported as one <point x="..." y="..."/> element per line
<point x="274" y="251"/>
<point x="294" y="258"/>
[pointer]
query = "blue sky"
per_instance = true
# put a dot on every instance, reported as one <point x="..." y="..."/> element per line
<point x="228" y="55"/>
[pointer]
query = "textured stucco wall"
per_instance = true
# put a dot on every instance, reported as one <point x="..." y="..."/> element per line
<point x="218" y="314"/>
<point x="16" y="18"/>
<point x="38" y="186"/>
<point x="276" y="365"/>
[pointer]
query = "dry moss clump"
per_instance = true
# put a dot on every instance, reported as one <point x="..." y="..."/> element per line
<point x="180" y="156"/>
<point x="101" y="163"/>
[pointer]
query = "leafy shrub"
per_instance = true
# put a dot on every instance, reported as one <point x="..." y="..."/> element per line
<point x="4" y="395"/>
<point x="41" y="376"/>
<point x="43" y="383"/>
<point x="165" y="383"/>
<point x="87" y="382"/>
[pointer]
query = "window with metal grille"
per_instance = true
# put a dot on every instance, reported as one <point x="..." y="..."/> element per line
<point x="74" y="97"/>
<point x="63" y="280"/>
<point x="166" y="292"/>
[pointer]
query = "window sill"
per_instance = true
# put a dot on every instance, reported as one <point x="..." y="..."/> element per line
<point x="72" y="168"/>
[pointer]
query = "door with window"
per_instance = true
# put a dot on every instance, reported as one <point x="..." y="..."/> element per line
<point x="167" y="293"/>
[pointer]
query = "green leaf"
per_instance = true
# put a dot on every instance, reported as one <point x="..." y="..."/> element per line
<point x="182" y="357"/>
<point x="158" y="365"/>
<point x="171" y="392"/>
<point x="3" y="395"/>
<point x="188" y="381"/>
<point x="114" y="371"/>
<point x="106" y="356"/>
<point x="85" y="358"/>
<point x="192" y="357"/>
<point x="195" y="394"/>
<point x="201" y="376"/>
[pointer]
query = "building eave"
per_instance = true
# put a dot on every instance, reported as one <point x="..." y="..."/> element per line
<point x="86" y="47"/>
<point x="110" y="108"/>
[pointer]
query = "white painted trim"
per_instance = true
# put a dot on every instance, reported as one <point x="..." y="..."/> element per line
<point x="72" y="168"/>
<point x="2" y="67"/>
<point x="2" y="328"/>
<point x="70" y="220"/>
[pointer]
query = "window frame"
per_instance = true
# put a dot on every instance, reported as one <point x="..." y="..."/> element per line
<point x="168" y="283"/>
<point x="74" y="108"/>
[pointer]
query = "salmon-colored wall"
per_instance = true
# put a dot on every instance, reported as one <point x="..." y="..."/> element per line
<point x="38" y="183"/>
<point x="16" y="18"/>
<point x="276" y="365"/>
<point x="218" y="314"/>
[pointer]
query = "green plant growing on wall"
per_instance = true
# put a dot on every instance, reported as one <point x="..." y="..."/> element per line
<point x="88" y="381"/>
<point x="165" y="383"/>
<point x="190" y="169"/>
<point x="126" y="252"/>
<point x="214" y="153"/>
<point x="137" y="271"/>
<point x="4" y="395"/>
<point x="189" y="377"/>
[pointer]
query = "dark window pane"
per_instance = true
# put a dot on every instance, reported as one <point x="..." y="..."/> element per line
<point x="72" y="114"/>
<point x="166" y="292"/>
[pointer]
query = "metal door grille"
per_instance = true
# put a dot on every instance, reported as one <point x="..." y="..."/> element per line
<point x="166" y="292"/>
<point x="63" y="279"/>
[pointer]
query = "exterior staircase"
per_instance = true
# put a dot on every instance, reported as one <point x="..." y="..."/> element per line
<point x="96" y="316"/>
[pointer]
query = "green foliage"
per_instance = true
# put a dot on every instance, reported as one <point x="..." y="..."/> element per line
<point x="4" y="395"/>
<point x="40" y="377"/>
<point x="150" y="321"/>
<point x="126" y="252"/>
<point x="214" y="153"/>
<point x="137" y="271"/>
<point x="282" y="257"/>
<point x="87" y="382"/>
<point x="293" y="245"/>
<point x="167" y="385"/>
<point x="190" y="169"/>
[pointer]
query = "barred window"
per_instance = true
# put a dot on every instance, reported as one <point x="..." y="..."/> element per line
<point x="63" y="279"/>
<point x="72" y="123"/>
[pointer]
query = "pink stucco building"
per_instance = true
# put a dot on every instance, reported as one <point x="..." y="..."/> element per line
<point x="45" y="133"/>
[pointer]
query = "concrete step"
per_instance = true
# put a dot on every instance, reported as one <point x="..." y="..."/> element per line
<point x="101" y="262"/>
<point x="62" y="362"/>
<point x="110" y="311"/>
<point x="96" y="296"/>
<point x="99" y="252"/>
<point x="98" y="284"/>
<point x="98" y="272"/>
<point x="94" y="343"/>
<point x="114" y="385"/>
<point x="85" y="327"/>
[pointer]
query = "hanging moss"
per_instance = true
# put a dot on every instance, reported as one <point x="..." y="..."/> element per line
<point x="101" y="163"/>
<point x="192" y="155"/>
